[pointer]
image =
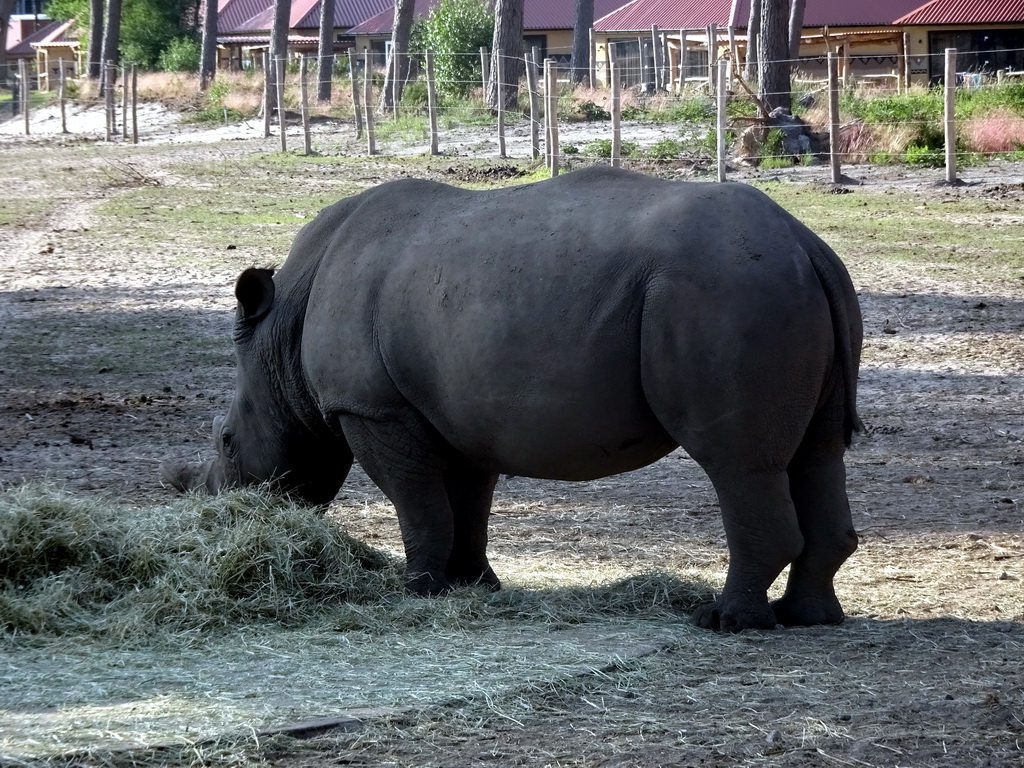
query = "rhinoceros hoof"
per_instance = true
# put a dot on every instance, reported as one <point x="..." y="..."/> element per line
<point x="427" y="585"/>
<point x="794" y="612"/>
<point x="721" y="618"/>
<point x="474" y="577"/>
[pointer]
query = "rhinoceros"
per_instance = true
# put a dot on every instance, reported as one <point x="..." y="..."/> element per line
<point x="568" y="329"/>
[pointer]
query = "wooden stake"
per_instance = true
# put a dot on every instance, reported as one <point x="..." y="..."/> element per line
<point x="833" y="117"/>
<point x="432" y="102"/>
<point x="61" y="91"/>
<point x="304" y="90"/>
<point x="371" y="148"/>
<point x="499" y="64"/>
<point x="484" y="68"/>
<point x="124" y="103"/>
<point x="135" y="104"/>
<point x="950" y="115"/>
<point x="267" y="85"/>
<point x="534" y="88"/>
<point x="553" y="112"/>
<point x="616" y="78"/>
<point x="279" y="69"/>
<point x="355" y="93"/>
<point x="721" y="93"/>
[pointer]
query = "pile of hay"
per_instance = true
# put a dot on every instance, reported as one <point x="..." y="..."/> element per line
<point x="74" y="565"/>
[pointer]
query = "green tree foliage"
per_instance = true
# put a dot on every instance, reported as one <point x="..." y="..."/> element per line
<point x="147" y="26"/>
<point x="455" y="31"/>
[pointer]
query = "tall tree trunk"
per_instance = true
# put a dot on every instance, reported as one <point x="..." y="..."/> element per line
<point x="796" y="27"/>
<point x="326" y="50"/>
<point x="401" y="30"/>
<point x="750" y="67"/>
<point x="208" y="60"/>
<point x="278" y="43"/>
<point x="507" y="43"/>
<point x="581" y="41"/>
<point x="112" y="35"/>
<point x="95" y="38"/>
<point x="773" y="69"/>
<point x="6" y="9"/>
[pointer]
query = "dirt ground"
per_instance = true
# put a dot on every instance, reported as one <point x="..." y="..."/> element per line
<point x="116" y="354"/>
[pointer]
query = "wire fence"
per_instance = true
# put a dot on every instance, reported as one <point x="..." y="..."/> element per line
<point x="710" y="104"/>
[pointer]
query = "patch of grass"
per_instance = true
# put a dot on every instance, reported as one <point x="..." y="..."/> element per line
<point x="897" y="227"/>
<point x="665" y="149"/>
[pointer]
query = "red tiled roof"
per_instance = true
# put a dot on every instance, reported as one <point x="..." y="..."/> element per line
<point x="667" y="14"/>
<point x="561" y="14"/>
<point x="538" y="15"/>
<point x="966" y="12"/>
<point x="305" y="14"/>
<point x="696" y="14"/>
<point x="231" y="14"/>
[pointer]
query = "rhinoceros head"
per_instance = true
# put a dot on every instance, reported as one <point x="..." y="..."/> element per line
<point x="272" y="431"/>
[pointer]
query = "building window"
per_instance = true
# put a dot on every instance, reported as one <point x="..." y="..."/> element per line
<point x="29" y="7"/>
<point x="984" y="51"/>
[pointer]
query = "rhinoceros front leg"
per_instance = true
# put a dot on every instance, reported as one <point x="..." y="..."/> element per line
<point x="406" y="462"/>
<point x="763" y="535"/>
<point x="470" y="493"/>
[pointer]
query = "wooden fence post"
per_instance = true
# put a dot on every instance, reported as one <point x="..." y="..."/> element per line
<point x="124" y="103"/>
<point x="833" y="118"/>
<point x="108" y="96"/>
<point x="552" y="110"/>
<point x="733" y="55"/>
<point x="267" y="85"/>
<point x="950" y="115"/>
<point x="279" y="85"/>
<point x="432" y="102"/>
<point x="712" y="33"/>
<point x="61" y="97"/>
<point x="721" y="93"/>
<point x="368" y="101"/>
<point x="682" y="59"/>
<point x="135" y="104"/>
<point x="499" y="64"/>
<point x="656" y="57"/>
<point x="24" y="91"/>
<point x="616" y="85"/>
<point x="484" y="68"/>
<point x="396" y="61"/>
<point x="304" y="90"/>
<point x="535" y="102"/>
<point x="355" y="93"/>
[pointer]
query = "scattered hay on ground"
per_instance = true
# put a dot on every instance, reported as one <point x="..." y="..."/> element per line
<point x="90" y="565"/>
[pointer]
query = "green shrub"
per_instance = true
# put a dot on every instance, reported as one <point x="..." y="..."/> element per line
<point x="632" y="112"/>
<point x="603" y="148"/>
<point x="665" y="149"/>
<point x="928" y="157"/>
<point x="455" y="30"/>
<point x="588" y="110"/>
<point x="182" y="55"/>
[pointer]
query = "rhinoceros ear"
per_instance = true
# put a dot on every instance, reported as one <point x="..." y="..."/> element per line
<point x="255" y="293"/>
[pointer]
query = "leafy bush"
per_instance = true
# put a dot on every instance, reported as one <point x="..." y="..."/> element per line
<point x="454" y="30"/>
<point x="929" y="157"/>
<point x="182" y="55"/>
<point x="665" y="149"/>
<point x="588" y="110"/>
<point x="603" y="148"/>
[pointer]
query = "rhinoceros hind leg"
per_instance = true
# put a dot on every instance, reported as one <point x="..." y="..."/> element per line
<point x="470" y="493"/>
<point x="763" y="537"/>
<point x="818" y="485"/>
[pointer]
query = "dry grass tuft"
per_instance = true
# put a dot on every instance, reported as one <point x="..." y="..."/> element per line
<point x="71" y="565"/>
<point x="996" y="132"/>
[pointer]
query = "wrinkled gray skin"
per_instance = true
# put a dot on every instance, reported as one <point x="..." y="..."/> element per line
<point x="569" y="329"/>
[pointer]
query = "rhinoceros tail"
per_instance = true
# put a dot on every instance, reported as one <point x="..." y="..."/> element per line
<point x="846" y="325"/>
